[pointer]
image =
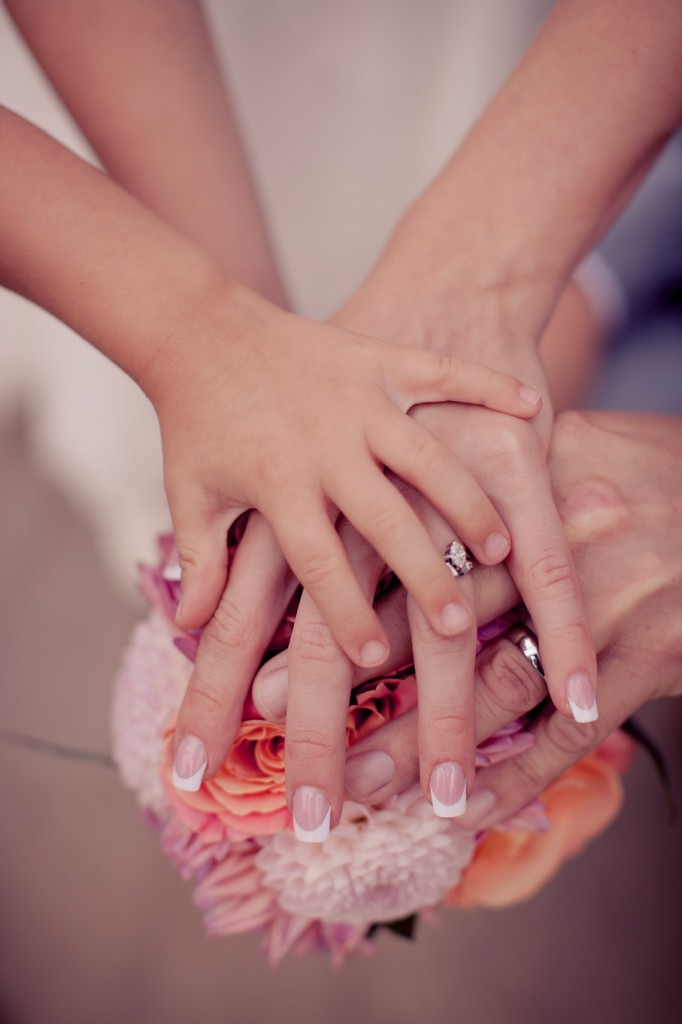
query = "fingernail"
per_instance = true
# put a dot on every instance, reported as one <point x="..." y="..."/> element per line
<point x="178" y="611"/>
<point x="480" y="806"/>
<point x="496" y="547"/>
<point x="366" y="773"/>
<point x="172" y="573"/>
<point x="189" y="764"/>
<point x="529" y="395"/>
<point x="373" y="653"/>
<point x="272" y="694"/>
<point x="448" y="790"/>
<point x="312" y="815"/>
<point x="455" y="618"/>
<point x="581" y="698"/>
<point x="482" y="760"/>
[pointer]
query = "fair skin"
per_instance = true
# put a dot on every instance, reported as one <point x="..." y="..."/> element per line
<point x="618" y="485"/>
<point x="479" y="260"/>
<point x="516" y="288"/>
<point x="83" y="248"/>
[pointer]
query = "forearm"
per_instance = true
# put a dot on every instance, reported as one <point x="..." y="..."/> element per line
<point x="549" y="164"/>
<point x="81" y="247"/>
<point x="142" y="81"/>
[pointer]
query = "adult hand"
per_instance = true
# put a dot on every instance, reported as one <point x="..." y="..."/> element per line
<point x="618" y="484"/>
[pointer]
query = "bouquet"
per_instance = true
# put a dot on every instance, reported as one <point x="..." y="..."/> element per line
<point x="383" y="866"/>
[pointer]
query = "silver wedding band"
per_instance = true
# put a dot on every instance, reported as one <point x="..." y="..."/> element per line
<point x="527" y="643"/>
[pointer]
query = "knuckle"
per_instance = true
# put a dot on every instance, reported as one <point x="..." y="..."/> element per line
<point x="508" y="680"/>
<point x="308" y="746"/>
<point x="529" y="773"/>
<point x="204" y="697"/>
<point x="232" y="626"/>
<point x="571" y="738"/>
<point x="443" y="723"/>
<point x="188" y="558"/>
<point x="388" y="521"/>
<point x="317" y="567"/>
<point x="314" y="642"/>
<point x="570" y="428"/>
<point x="550" y="571"/>
<point x="447" y="370"/>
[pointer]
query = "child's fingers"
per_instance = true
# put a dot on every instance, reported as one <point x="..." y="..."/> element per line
<point x="419" y="458"/>
<point x="201" y="540"/>
<point x="382" y="515"/>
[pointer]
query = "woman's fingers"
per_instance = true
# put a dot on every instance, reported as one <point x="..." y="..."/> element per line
<point x="422" y="376"/>
<point x="258" y="591"/>
<point x="542" y="567"/>
<point x="494" y="593"/>
<point x="504" y="789"/>
<point x="505" y="687"/>
<point x="320" y="677"/>
<point x="446" y="734"/>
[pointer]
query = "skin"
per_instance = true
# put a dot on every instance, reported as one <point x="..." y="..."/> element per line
<point x="473" y="288"/>
<point x="476" y="267"/>
<point x="618" y="483"/>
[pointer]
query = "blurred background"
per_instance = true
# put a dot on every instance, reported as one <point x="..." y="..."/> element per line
<point x="348" y="109"/>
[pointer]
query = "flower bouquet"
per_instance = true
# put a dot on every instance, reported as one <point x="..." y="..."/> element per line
<point x="382" y="866"/>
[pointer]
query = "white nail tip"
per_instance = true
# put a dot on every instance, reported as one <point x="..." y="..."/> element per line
<point x="172" y="573"/>
<point x="314" y="835"/>
<point x="582" y="715"/>
<point x="192" y="783"/>
<point x="449" y="810"/>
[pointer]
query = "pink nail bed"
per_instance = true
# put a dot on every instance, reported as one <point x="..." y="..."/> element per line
<point x="189" y="764"/>
<point x="448" y="790"/>
<point x="312" y="814"/>
<point x="581" y="698"/>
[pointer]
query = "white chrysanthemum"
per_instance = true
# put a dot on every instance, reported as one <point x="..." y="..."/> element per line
<point x="148" y="690"/>
<point x="377" y="864"/>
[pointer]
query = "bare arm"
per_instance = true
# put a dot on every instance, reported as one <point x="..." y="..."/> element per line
<point x="143" y="83"/>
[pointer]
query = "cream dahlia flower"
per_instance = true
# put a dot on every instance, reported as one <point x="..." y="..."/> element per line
<point x="378" y="864"/>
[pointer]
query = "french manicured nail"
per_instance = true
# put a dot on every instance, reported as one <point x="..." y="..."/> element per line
<point x="496" y="547"/>
<point x="455" y="618"/>
<point x="448" y="790"/>
<point x="480" y="806"/>
<point x="581" y="698"/>
<point x="373" y="653"/>
<point x="189" y="764"/>
<point x="529" y="395"/>
<point x="172" y="573"/>
<point x="312" y="815"/>
<point x="369" y="772"/>
<point x="272" y="694"/>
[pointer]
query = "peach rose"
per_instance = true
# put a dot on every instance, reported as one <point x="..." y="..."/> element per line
<point x="246" y="796"/>
<point x="509" y="867"/>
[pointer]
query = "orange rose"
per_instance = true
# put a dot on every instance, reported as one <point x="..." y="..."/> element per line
<point x="509" y="867"/>
<point x="247" y="794"/>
